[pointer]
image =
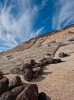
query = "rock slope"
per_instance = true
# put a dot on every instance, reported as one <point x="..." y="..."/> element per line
<point x="57" y="80"/>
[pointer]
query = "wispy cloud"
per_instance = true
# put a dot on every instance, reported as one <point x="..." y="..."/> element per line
<point x="17" y="26"/>
<point x="63" y="14"/>
<point x="43" y="3"/>
<point x="18" y="19"/>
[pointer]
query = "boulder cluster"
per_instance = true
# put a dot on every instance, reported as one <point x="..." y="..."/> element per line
<point x="33" y="69"/>
<point x="14" y="89"/>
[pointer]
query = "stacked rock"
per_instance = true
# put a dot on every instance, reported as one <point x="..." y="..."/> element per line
<point x="33" y="69"/>
<point x="14" y="89"/>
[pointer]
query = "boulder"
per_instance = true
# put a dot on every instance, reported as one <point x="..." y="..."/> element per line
<point x="62" y="55"/>
<point x="28" y="74"/>
<point x="26" y="65"/>
<point x="57" y="60"/>
<point x="38" y="69"/>
<point x="37" y="65"/>
<point x="16" y="81"/>
<point x="3" y="85"/>
<point x="49" y="60"/>
<point x="42" y="96"/>
<point x="17" y="90"/>
<point x="35" y="74"/>
<point x="41" y="71"/>
<point x="1" y="74"/>
<point x="48" y="54"/>
<point x="43" y="62"/>
<point x="7" y="96"/>
<point x="29" y="93"/>
<point x="32" y="62"/>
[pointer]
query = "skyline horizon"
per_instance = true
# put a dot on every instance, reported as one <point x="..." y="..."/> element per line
<point x="22" y="20"/>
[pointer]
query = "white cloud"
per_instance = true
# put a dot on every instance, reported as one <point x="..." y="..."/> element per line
<point x="64" y="13"/>
<point x="18" y="26"/>
<point x="44" y="3"/>
<point x="34" y="34"/>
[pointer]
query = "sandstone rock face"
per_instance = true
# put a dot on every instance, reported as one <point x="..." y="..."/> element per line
<point x="30" y="93"/>
<point x="3" y="85"/>
<point x="16" y="81"/>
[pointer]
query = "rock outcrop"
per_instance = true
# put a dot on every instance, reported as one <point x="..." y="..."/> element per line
<point x="16" y="81"/>
<point x="15" y="90"/>
<point x="3" y="85"/>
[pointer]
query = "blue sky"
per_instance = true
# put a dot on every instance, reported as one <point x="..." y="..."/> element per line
<point x="21" y="20"/>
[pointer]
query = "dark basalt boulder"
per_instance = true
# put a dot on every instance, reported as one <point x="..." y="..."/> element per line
<point x="43" y="62"/>
<point x="7" y="96"/>
<point x="48" y="54"/>
<point x="56" y="60"/>
<point x="26" y="65"/>
<point x="32" y="62"/>
<point x="3" y="85"/>
<point x="49" y="60"/>
<point x="16" y="81"/>
<point x="17" y="90"/>
<point x="33" y="69"/>
<point x="29" y="93"/>
<point x="1" y="74"/>
<point x="35" y="74"/>
<point x="27" y="74"/>
<point x="62" y="55"/>
<point x="46" y="61"/>
<point x="41" y="71"/>
<point x="42" y="96"/>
